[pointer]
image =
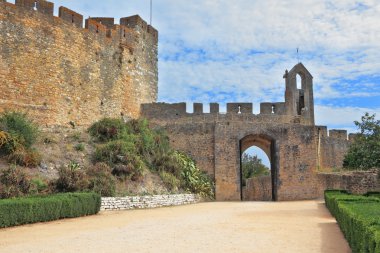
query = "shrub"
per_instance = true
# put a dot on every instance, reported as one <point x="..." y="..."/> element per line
<point x="121" y="170"/>
<point x="168" y="162"/>
<point x="101" y="180"/>
<point x="108" y="129"/>
<point x="4" y="138"/>
<point x="38" y="186"/>
<point x="133" y="138"/>
<point x="130" y="148"/>
<point x="193" y="179"/>
<point x="20" y="130"/>
<point x="20" y="211"/>
<point x="79" y="147"/>
<point x="76" y="136"/>
<point x="170" y="181"/>
<point x="71" y="179"/>
<point x="114" y="152"/>
<point x="121" y="155"/>
<point x="14" y="183"/>
<point x="358" y="218"/>
<point x="25" y="157"/>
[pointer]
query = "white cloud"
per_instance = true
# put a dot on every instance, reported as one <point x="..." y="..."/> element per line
<point x="342" y="117"/>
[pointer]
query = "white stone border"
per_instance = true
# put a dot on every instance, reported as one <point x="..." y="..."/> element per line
<point x="144" y="202"/>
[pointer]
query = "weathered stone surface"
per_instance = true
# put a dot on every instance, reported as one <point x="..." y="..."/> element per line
<point x="356" y="182"/>
<point x="144" y="202"/>
<point x="58" y="72"/>
<point x="296" y="147"/>
<point x="64" y="75"/>
<point x="258" y="189"/>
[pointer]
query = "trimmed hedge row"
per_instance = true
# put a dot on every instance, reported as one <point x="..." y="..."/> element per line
<point x="20" y="211"/>
<point x="358" y="218"/>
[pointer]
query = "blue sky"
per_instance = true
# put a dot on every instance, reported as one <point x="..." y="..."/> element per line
<point x="226" y="51"/>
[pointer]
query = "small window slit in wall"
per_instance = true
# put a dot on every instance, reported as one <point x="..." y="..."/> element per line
<point x="97" y="29"/>
<point x="72" y="18"/>
<point x="35" y="5"/>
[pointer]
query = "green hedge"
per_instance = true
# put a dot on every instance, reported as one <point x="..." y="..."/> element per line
<point x="358" y="218"/>
<point x="20" y="211"/>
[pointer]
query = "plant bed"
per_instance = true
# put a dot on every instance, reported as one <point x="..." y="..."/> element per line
<point x="19" y="211"/>
<point x="358" y="217"/>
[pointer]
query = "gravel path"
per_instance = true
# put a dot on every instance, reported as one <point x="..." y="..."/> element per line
<point x="295" y="227"/>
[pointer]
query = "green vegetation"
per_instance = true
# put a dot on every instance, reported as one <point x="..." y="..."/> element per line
<point x="358" y="218"/>
<point x="193" y="179"/>
<point x="108" y="129"/>
<point x="20" y="211"/>
<point x="124" y="152"/>
<point x="39" y="186"/>
<point x="17" y="135"/>
<point x="252" y="166"/>
<point x="101" y="180"/>
<point x="171" y="181"/>
<point x="71" y="179"/>
<point x="14" y="182"/>
<point x="364" y="152"/>
<point x="79" y="147"/>
<point x="132" y="148"/>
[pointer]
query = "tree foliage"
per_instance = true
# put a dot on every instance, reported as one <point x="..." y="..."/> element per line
<point x="252" y="166"/>
<point x="364" y="152"/>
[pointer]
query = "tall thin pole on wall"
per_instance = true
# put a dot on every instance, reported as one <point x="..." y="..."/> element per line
<point x="151" y="11"/>
<point x="298" y="56"/>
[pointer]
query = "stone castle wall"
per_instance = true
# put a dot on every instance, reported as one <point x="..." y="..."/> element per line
<point x="63" y="74"/>
<point x="215" y="140"/>
<point x="258" y="189"/>
<point x="356" y="182"/>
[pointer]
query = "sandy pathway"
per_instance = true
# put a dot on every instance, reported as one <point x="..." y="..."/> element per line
<point x="208" y="227"/>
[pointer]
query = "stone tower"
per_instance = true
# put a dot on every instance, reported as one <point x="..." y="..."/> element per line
<point x="64" y="74"/>
<point x="299" y="102"/>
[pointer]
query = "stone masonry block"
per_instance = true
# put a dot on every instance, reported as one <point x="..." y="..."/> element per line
<point x="198" y="108"/>
<point x="239" y="107"/>
<point x="108" y="22"/>
<point x="338" y="134"/>
<point x="214" y="108"/>
<point x="71" y="16"/>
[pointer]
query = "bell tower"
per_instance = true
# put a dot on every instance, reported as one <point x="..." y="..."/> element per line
<point x="299" y="101"/>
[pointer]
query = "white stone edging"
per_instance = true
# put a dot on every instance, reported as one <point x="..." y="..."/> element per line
<point x="144" y="202"/>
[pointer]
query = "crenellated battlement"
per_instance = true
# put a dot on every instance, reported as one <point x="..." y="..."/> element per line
<point x="336" y="134"/>
<point x="266" y="109"/>
<point x="162" y="112"/>
<point x="269" y="112"/>
<point x="104" y="27"/>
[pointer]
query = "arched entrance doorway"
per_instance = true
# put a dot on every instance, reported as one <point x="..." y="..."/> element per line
<point x="268" y="145"/>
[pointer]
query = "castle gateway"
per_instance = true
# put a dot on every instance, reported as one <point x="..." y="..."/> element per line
<point x="285" y="131"/>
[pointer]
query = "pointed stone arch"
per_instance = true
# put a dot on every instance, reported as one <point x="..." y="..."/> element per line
<point x="268" y="145"/>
